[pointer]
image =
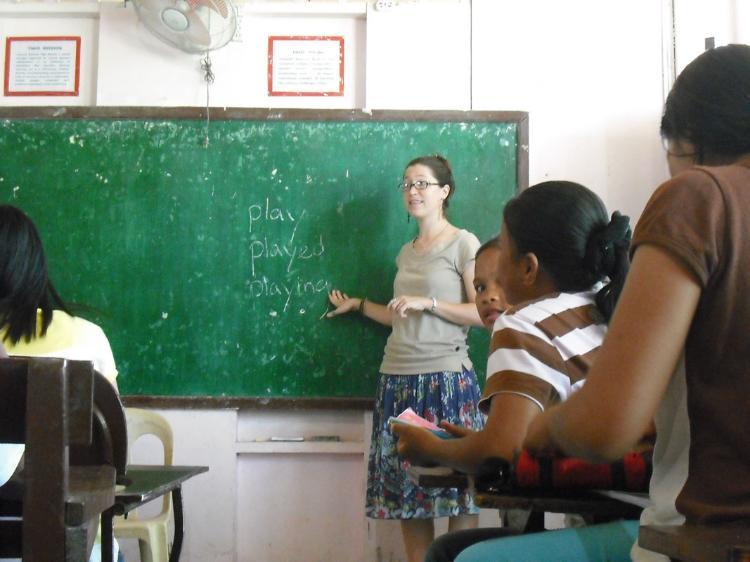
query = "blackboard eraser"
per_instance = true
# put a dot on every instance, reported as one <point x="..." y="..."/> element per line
<point x="325" y="438"/>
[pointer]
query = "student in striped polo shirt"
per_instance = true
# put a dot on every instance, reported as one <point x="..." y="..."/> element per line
<point x="561" y="262"/>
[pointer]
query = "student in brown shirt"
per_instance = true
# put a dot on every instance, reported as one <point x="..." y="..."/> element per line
<point x="677" y="348"/>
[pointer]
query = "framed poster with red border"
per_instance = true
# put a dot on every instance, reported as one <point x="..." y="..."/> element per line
<point x="305" y="65"/>
<point x="42" y="66"/>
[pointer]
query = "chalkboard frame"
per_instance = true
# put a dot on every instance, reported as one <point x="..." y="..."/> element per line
<point x="519" y="118"/>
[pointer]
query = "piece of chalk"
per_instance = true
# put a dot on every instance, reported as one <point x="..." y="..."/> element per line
<point x="287" y="439"/>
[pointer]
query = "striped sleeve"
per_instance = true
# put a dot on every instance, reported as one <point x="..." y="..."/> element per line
<point x="543" y="350"/>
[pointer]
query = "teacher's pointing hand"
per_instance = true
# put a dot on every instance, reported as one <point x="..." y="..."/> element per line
<point x="343" y="303"/>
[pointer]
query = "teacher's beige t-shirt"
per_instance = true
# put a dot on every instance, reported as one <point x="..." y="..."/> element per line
<point x="423" y="342"/>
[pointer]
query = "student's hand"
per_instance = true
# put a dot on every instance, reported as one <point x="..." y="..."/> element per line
<point x="539" y="439"/>
<point x="414" y="442"/>
<point x="648" y="440"/>
<point x="455" y="430"/>
<point x="343" y="303"/>
<point x="401" y="305"/>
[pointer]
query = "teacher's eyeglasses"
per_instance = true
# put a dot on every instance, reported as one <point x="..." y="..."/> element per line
<point x="421" y="185"/>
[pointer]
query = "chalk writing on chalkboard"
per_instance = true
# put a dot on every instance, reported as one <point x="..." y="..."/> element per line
<point x="291" y="250"/>
<point x="208" y="268"/>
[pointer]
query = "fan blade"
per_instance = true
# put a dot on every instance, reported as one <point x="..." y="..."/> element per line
<point x="186" y="27"/>
<point x="219" y="6"/>
<point x="199" y="35"/>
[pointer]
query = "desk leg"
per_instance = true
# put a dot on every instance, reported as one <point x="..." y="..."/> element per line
<point x="174" y="556"/>
<point x="107" y="536"/>
<point x="535" y="522"/>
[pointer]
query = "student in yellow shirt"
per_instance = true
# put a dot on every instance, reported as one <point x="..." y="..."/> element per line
<point x="34" y="320"/>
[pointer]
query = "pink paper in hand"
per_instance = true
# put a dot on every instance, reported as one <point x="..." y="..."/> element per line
<point x="410" y="417"/>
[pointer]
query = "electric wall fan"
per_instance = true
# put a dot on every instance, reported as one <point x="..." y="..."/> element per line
<point x="194" y="26"/>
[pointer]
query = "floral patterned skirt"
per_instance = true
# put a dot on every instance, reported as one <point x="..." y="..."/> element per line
<point x="391" y="492"/>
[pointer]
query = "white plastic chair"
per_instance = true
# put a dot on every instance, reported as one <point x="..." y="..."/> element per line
<point x="152" y="532"/>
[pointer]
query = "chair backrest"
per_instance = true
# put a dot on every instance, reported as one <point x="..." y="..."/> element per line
<point x="146" y="422"/>
<point x="109" y="442"/>
<point x="65" y="415"/>
<point x="30" y="383"/>
<point x="47" y="405"/>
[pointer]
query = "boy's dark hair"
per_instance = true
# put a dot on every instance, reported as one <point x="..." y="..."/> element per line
<point x="441" y="169"/>
<point x="566" y="226"/>
<point x="709" y="105"/>
<point x="24" y="283"/>
<point x="491" y="243"/>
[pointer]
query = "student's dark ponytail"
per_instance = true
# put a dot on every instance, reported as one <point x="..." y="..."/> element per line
<point x="607" y="256"/>
<point x="567" y="227"/>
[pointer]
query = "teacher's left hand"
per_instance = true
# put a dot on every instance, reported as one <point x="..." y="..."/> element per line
<point x="401" y="305"/>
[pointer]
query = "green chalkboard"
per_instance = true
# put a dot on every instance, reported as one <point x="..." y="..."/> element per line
<point x="208" y="267"/>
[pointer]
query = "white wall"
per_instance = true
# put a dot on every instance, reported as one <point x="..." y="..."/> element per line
<point x="727" y="21"/>
<point x="419" y="57"/>
<point x="589" y="73"/>
<point x="592" y="90"/>
<point x="136" y="68"/>
<point x="76" y="19"/>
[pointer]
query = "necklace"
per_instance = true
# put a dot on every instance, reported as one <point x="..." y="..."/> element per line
<point x="426" y="245"/>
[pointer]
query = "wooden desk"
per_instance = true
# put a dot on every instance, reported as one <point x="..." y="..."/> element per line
<point x="144" y="483"/>
<point x="590" y="504"/>
<point x="90" y="492"/>
<point x="698" y="543"/>
<point x="439" y="477"/>
<point x="593" y="505"/>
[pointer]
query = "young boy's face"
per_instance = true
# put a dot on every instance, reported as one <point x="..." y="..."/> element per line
<point x="490" y="297"/>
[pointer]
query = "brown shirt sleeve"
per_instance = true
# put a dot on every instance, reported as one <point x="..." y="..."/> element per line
<point x="684" y="217"/>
